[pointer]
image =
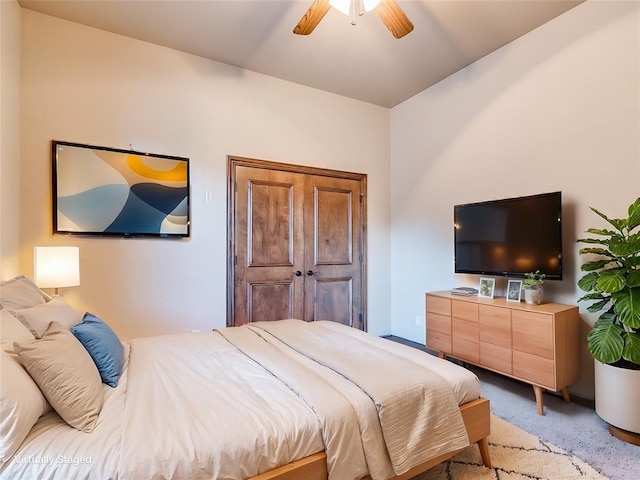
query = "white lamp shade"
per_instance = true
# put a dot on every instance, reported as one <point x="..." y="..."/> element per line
<point x="57" y="267"/>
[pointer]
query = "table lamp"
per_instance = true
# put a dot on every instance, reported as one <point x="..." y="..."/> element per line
<point x="57" y="267"/>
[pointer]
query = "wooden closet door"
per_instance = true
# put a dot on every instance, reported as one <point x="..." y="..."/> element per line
<point x="296" y="244"/>
<point x="269" y="280"/>
<point x="333" y="250"/>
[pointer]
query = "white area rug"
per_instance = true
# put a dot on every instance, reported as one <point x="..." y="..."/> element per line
<point x="515" y="455"/>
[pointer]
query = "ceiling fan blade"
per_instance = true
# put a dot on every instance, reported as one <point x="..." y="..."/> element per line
<point x="394" y="18"/>
<point x="312" y="17"/>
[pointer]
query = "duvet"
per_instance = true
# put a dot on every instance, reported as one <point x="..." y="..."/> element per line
<point x="236" y="402"/>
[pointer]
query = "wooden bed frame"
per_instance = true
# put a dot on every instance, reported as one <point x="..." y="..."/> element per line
<point x="476" y="416"/>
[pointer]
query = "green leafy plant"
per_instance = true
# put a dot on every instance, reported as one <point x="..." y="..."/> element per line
<point x="613" y="283"/>
<point x="533" y="280"/>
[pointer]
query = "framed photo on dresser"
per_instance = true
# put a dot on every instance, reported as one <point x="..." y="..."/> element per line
<point x="486" y="288"/>
<point x="514" y="290"/>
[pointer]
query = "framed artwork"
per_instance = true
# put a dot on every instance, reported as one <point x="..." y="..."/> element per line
<point x="487" y="285"/>
<point x="514" y="290"/>
<point x="120" y="193"/>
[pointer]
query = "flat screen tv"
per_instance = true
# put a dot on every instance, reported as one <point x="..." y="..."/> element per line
<point x="120" y="193"/>
<point x="510" y="237"/>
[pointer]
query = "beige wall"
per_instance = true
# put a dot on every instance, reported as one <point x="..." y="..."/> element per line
<point x="9" y="138"/>
<point x="84" y="85"/>
<point x="558" y="109"/>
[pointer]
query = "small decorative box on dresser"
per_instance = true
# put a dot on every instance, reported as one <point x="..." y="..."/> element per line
<point x="537" y="344"/>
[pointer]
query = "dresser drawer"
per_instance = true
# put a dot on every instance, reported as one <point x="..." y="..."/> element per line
<point x="438" y="305"/>
<point x="465" y="329"/>
<point x="495" y="357"/>
<point x="495" y="325"/>
<point x="466" y="350"/>
<point x="536" y="369"/>
<point x="438" y="341"/>
<point x="533" y="333"/>
<point x="466" y="310"/>
<point x="438" y="323"/>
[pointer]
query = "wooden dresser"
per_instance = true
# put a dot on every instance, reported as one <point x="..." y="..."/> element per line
<point x="537" y="344"/>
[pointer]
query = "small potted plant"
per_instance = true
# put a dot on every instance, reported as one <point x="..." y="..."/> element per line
<point x="532" y="286"/>
<point x="612" y="283"/>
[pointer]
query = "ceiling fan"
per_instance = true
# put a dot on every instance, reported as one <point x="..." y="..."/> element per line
<point x="388" y="10"/>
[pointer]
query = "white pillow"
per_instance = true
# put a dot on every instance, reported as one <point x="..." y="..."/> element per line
<point x="21" y="404"/>
<point x="11" y="330"/>
<point x="20" y="292"/>
<point x="38" y="318"/>
<point x="66" y="374"/>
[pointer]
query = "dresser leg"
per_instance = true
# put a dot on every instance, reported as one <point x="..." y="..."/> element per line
<point x="565" y="395"/>
<point x="442" y="354"/>
<point x="538" y="393"/>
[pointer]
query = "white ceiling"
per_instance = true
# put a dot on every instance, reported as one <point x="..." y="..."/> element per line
<point x="363" y="62"/>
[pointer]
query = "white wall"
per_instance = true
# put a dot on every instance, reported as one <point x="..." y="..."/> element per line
<point x="84" y="85"/>
<point x="9" y="138"/>
<point x="558" y="109"/>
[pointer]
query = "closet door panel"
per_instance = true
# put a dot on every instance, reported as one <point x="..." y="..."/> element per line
<point x="269" y="246"/>
<point x="333" y="289"/>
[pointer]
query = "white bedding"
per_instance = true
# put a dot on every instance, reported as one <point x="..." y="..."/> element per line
<point x="415" y="407"/>
<point x="54" y="450"/>
<point x="195" y="406"/>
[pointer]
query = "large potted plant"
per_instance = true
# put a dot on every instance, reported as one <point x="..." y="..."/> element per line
<point x="612" y="282"/>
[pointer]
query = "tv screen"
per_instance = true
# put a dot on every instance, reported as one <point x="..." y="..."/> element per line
<point x="510" y="237"/>
<point x="110" y="192"/>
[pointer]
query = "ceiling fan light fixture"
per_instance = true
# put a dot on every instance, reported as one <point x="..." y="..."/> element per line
<point x="349" y="6"/>
<point x="387" y="10"/>
<point x="370" y="4"/>
<point x="342" y="6"/>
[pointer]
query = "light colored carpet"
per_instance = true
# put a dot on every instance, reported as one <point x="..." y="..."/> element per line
<point x="515" y="455"/>
<point x="574" y="428"/>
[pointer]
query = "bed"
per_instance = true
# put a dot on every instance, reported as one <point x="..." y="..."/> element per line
<point x="270" y="400"/>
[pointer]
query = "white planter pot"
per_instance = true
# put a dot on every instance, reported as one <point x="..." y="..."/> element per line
<point x="533" y="297"/>
<point x="617" y="394"/>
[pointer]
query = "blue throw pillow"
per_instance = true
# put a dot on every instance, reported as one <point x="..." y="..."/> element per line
<point x="103" y="345"/>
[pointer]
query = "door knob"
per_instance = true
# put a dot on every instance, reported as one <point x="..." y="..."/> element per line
<point x="310" y="272"/>
<point x="297" y="273"/>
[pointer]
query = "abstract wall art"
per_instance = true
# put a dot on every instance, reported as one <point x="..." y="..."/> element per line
<point x="111" y="192"/>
